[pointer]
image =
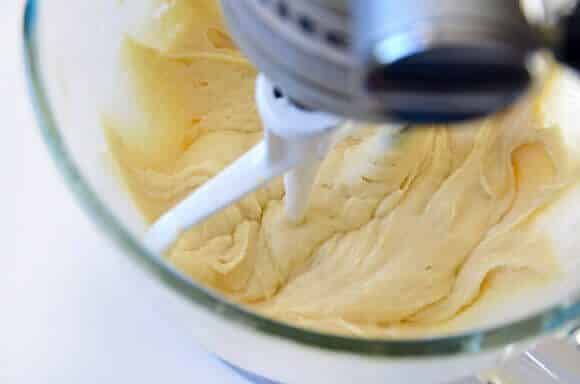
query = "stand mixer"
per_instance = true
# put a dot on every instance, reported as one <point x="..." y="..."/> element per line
<point x="325" y="62"/>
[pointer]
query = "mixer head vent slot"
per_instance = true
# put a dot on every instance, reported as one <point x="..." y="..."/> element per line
<point x="308" y="20"/>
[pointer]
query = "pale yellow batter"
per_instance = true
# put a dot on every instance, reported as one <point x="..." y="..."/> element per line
<point x="422" y="239"/>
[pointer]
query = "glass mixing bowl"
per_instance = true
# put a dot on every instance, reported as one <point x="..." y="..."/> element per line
<point x="70" y="50"/>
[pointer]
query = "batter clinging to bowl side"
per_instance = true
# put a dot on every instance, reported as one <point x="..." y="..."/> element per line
<point x="416" y="240"/>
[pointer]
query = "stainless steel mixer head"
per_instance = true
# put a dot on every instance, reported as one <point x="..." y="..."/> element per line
<point x="377" y="60"/>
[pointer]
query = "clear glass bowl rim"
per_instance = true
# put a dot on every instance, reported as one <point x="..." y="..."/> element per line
<point x="546" y="322"/>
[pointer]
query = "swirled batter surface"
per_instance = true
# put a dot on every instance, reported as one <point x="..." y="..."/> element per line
<point x="424" y="238"/>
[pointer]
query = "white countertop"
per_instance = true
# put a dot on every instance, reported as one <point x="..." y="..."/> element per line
<point x="66" y="313"/>
<point x="62" y="316"/>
